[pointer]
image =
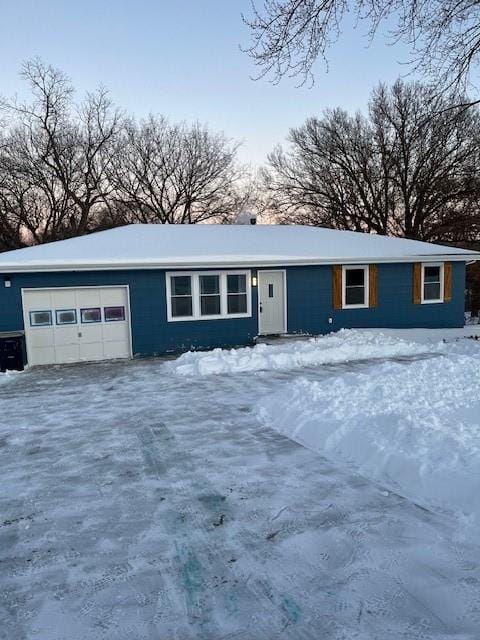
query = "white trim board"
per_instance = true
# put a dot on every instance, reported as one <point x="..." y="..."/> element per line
<point x="225" y="263"/>
<point x="440" y="300"/>
<point x="366" y="286"/>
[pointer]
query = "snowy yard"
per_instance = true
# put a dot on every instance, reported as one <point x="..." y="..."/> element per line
<point x="172" y="500"/>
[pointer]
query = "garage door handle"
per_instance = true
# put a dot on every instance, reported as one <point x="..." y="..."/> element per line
<point x="79" y="335"/>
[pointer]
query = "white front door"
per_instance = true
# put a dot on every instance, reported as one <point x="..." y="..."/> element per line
<point x="76" y="324"/>
<point x="271" y="302"/>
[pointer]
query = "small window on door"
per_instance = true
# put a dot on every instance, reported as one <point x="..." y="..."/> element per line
<point x="91" y="315"/>
<point x="40" y="318"/>
<point x="114" y="314"/>
<point x="66" y="316"/>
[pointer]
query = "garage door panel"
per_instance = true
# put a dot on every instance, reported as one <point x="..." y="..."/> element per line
<point x="112" y="297"/>
<point x="67" y="353"/>
<point x="42" y="337"/>
<point x="44" y="355"/>
<point x="79" y="341"/>
<point x="90" y="352"/>
<point x="115" y="350"/>
<point x="115" y="331"/>
<point x="38" y="301"/>
<point x="91" y="333"/>
<point x="65" y="335"/>
<point x="88" y="298"/>
<point x="63" y="299"/>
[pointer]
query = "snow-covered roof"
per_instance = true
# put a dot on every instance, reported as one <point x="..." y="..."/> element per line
<point x="208" y="245"/>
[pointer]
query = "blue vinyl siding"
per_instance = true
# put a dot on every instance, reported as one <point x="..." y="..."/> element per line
<point x="309" y="306"/>
<point x="310" y="302"/>
<point x="151" y="333"/>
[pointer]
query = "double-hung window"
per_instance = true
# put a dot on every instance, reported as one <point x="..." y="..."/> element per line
<point x="237" y="293"/>
<point x="208" y="295"/>
<point x="355" y="287"/>
<point x="432" y="283"/>
<point x="181" y="296"/>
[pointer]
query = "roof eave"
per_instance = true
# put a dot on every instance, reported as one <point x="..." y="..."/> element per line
<point x="230" y="264"/>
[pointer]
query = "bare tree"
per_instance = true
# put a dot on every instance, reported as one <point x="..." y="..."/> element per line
<point x="288" y="36"/>
<point x="69" y="168"/>
<point x="412" y="168"/>
<point x="174" y="173"/>
<point x="55" y="155"/>
<point x="10" y="223"/>
<point x="30" y="193"/>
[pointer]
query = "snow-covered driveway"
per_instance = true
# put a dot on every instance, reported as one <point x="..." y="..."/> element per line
<point x="139" y="504"/>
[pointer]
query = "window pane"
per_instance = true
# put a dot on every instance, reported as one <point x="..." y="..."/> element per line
<point x="182" y="307"/>
<point x="209" y="284"/>
<point x="210" y="305"/>
<point x="432" y="291"/>
<point x="181" y="285"/>
<point x="432" y="274"/>
<point x="91" y="315"/>
<point x="66" y="316"/>
<point x="40" y="318"/>
<point x="355" y="295"/>
<point x="237" y="303"/>
<point x="237" y="283"/>
<point x="114" y="314"/>
<point x="354" y="277"/>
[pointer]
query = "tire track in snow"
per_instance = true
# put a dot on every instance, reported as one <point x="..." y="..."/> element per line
<point x="200" y="568"/>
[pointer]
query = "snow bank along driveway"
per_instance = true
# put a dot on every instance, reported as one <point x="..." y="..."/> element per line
<point x="136" y="504"/>
<point x="343" y="346"/>
<point x="413" y="426"/>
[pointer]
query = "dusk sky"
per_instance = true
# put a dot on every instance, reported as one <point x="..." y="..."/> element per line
<point x="182" y="59"/>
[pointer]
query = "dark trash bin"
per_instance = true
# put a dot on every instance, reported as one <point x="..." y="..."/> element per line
<point x="11" y="352"/>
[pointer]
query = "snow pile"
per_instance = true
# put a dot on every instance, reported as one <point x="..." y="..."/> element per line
<point x="344" y="346"/>
<point x="414" y="427"/>
<point x="428" y="336"/>
<point x="8" y="376"/>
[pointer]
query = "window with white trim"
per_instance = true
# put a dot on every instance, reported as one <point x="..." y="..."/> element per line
<point x="207" y="295"/>
<point x="355" y="286"/>
<point x="210" y="296"/>
<point x="432" y="283"/>
<point x="181" y="297"/>
<point x="237" y="293"/>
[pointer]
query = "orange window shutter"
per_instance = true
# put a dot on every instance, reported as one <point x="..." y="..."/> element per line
<point x="372" y="286"/>
<point x="417" y="283"/>
<point x="337" y="286"/>
<point x="447" y="282"/>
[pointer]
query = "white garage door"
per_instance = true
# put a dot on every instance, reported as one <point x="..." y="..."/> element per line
<point x="76" y="325"/>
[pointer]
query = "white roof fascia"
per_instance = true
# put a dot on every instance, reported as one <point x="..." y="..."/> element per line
<point x="219" y="262"/>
